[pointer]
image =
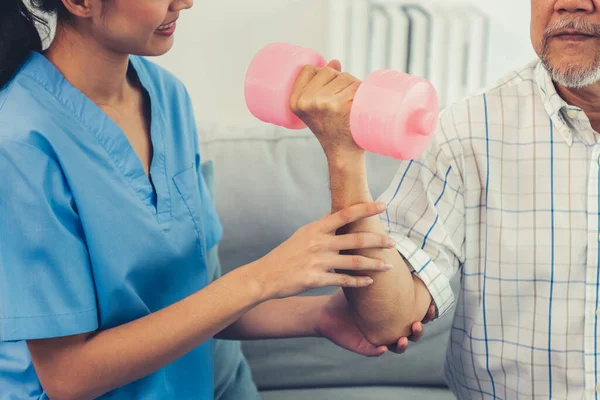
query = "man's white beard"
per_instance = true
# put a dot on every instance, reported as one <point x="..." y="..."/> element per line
<point x="574" y="77"/>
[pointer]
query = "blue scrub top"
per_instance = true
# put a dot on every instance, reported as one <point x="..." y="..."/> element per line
<point x="87" y="241"/>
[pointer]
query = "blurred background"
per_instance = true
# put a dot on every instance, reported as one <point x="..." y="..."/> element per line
<point x="458" y="44"/>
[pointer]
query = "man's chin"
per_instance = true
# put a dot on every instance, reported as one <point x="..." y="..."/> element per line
<point x="578" y="81"/>
<point x="572" y="75"/>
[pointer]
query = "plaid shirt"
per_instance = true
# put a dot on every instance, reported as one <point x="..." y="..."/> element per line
<point x="507" y="196"/>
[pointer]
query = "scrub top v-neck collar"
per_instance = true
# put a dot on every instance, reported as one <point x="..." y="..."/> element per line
<point x="155" y="193"/>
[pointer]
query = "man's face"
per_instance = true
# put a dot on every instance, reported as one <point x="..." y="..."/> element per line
<point x="566" y="36"/>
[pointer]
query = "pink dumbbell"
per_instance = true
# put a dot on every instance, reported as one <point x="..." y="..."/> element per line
<point x="393" y="114"/>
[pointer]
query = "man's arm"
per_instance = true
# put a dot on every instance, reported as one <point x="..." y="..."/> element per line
<point x="429" y="225"/>
<point x="329" y="317"/>
<point x="385" y="310"/>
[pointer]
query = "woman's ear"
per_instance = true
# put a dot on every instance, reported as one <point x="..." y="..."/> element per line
<point x="82" y="8"/>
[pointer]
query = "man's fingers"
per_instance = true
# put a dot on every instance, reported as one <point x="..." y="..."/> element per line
<point x="342" y="82"/>
<point x="347" y="92"/>
<point x="305" y="76"/>
<point x="322" y="78"/>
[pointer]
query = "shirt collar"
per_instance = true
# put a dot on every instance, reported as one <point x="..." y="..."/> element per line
<point x="562" y="115"/>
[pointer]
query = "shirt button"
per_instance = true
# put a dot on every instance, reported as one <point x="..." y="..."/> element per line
<point x="572" y="114"/>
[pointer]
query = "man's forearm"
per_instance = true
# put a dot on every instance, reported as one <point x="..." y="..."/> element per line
<point x="386" y="309"/>
<point x="277" y="319"/>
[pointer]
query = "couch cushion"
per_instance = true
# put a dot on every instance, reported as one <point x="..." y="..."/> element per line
<point x="270" y="181"/>
<point x="370" y="393"/>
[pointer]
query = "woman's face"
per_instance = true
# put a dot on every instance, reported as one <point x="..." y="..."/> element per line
<point x="140" y="27"/>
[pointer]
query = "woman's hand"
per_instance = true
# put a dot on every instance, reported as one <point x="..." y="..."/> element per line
<point x="307" y="259"/>
<point x="417" y="332"/>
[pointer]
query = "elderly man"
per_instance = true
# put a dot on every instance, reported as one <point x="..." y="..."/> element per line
<point x="507" y="196"/>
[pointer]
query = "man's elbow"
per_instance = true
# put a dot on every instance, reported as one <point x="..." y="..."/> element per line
<point x="396" y="323"/>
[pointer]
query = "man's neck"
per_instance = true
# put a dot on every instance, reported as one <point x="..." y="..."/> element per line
<point x="587" y="98"/>
<point x="99" y="74"/>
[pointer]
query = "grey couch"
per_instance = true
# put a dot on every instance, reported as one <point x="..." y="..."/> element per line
<point x="268" y="182"/>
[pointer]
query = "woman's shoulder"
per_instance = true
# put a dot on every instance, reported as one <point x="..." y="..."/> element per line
<point x="24" y="109"/>
<point x="29" y="119"/>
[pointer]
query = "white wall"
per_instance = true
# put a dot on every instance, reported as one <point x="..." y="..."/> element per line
<point x="216" y="40"/>
<point x="510" y="44"/>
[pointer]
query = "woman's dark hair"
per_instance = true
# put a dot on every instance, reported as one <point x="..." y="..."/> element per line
<point x="19" y="33"/>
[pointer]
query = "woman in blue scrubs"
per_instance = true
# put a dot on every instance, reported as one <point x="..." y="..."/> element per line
<point x="107" y="224"/>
